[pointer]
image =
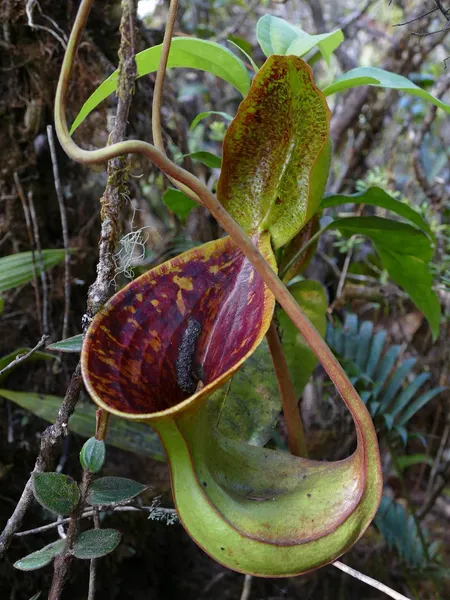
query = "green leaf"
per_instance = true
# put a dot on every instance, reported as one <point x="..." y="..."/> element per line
<point x="403" y="462"/>
<point x="17" y="269"/>
<point x="375" y="196"/>
<point x="417" y="404"/>
<point x="179" y="203"/>
<point x="241" y="48"/>
<point x="2" y="304"/>
<point x="208" y="113"/>
<point x="405" y="253"/>
<point x="126" y="435"/>
<point x="402" y="432"/>
<point x="92" y="455"/>
<point x="312" y="298"/>
<point x="56" y="492"/>
<point x="277" y="36"/>
<point x="380" y="78"/>
<point x="112" y="490"/>
<point x="9" y="358"/>
<point x="276" y="152"/>
<point x="248" y="406"/>
<point x="207" y="158"/>
<point x="400" y="531"/>
<point x="184" y="52"/>
<point x="40" y="558"/>
<point x="408" y="393"/>
<point x="72" y="344"/>
<point x="395" y="382"/>
<point x="96" y="543"/>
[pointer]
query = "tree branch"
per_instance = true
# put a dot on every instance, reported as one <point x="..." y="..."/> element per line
<point x="22" y="357"/>
<point x="116" y="187"/>
<point x="47" y="454"/>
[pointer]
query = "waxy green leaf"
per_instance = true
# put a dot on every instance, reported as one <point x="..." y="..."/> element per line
<point x="113" y="490"/>
<point x="277" y="36"/>
<point x="17" y="269"/>
<point x="208" y="113"/>
<point x="207" y="158"/>
<point x="384" y="79"/>
<point x="375" y="196"/>
<point x="184" y="52"/>
<point x="96" y="543"/>
<point x="276" y="151"/>
<point x="92" y="455"/>
<point x="56" y="492"/>
<point x="179" y="203"/>
<point x="126" y="435"/>
<point x="72" y="344"/>
<point x="40" y="558"/>
<point x="405" y="253"/>
<point x="312" y="297"/>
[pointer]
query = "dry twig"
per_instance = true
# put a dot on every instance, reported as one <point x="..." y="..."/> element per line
<point x="26" y="213"/>
<point x="369" y="581"/>
<point x="112" y="200"/>
<point x="247" y="587"/>
<point x="155" y="513"/>
<point x="29" y="9"/>
<point x="65" y="230"/>
<point x="22" y="357"/>
<point x="42" y="273"/>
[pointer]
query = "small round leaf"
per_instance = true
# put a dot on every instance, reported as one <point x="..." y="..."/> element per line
<point x="56" y="492"/>
<point x="92" y="455"/>
<point x="111" y="490"/>
<point x="95" y="543"/>
<point x="40" y="558"/>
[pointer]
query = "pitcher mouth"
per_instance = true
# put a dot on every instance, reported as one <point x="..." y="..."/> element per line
<point x="176" y="333"/>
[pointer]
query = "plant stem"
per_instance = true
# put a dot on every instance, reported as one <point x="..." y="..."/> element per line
<point x="94" y="561"/>
<point x="112" y="199"/>
<point x="158" y="93"/>
<point x="364" y="427"/>
<point x="26" y="212"/>
<point x="63" y="561"/>
<point x="22" y="357"/>
<point x="159" y="82"/>
<point x="294" y="425"/>
<point x="101" y="425"/>
<point x="65" y="231"/>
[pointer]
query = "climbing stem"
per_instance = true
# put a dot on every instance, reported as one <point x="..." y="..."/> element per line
<point x="159" y="82"/>
<point x="294" y="425"/>
<point x="158" y="92"/>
